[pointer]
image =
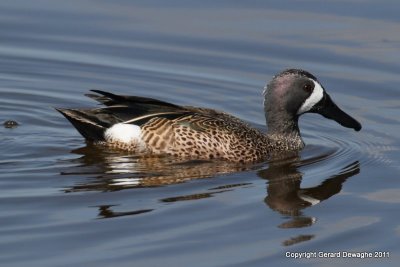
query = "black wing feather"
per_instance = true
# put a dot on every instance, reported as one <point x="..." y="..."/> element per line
<point x="114" y="99"/>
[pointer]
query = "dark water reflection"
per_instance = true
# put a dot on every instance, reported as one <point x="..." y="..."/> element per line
<point x="286" y="196"/>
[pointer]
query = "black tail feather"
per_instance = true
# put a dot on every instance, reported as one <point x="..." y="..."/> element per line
<point x="84" y="123"/>
<point x="101" y="99"/>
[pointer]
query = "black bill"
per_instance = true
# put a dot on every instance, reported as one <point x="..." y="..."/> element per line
<point x="327" y="108"/>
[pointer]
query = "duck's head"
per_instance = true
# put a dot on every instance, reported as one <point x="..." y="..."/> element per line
<point x="294" y="92"/>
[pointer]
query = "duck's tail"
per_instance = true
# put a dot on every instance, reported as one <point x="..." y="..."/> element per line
<point x="86" y="122"/>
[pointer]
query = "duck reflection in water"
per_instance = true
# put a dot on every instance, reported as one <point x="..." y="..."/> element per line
<point x="115" y="171"/>
<point x="286" y="196"/>
<point x="118" y="170"/>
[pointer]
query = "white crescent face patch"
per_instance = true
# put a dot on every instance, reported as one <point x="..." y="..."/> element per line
<point x="313" y="99"/>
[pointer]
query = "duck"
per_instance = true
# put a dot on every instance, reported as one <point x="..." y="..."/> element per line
<point x="148" y="126"/>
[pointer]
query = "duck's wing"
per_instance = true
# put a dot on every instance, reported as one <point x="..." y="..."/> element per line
<point x="138" y="106"/>
<point x="145" y="106"/>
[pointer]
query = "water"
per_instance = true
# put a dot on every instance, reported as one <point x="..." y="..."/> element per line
<point x="66" y="203"/>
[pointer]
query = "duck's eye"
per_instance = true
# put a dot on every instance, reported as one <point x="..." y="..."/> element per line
<point x="308" y="87"/>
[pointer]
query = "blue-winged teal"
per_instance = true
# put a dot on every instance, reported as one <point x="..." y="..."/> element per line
<point x="150" y="126"/>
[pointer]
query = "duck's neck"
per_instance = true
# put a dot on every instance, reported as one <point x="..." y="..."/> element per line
<point x="283" y="128"/>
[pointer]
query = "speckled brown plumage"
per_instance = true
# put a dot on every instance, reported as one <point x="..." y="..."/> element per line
<point x="201" y="136"/>
<point x="206" y="134"/>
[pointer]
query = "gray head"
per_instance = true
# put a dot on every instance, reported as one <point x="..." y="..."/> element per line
<point x="294" y="92"/>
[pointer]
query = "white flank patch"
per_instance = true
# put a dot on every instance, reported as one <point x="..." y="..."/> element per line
<point x="124" y="133"/>
<point x="313" y="99"/>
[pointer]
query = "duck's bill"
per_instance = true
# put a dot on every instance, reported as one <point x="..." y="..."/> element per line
<point x="327" y="108"/>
